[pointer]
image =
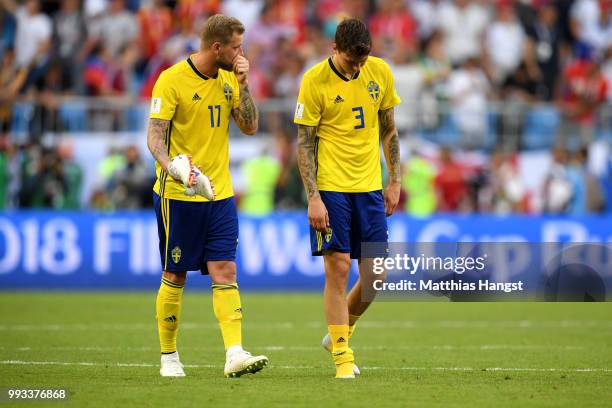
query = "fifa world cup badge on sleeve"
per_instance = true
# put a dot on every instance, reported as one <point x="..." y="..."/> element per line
<point x="156" y="105"/>
<point x="299" y="111"/>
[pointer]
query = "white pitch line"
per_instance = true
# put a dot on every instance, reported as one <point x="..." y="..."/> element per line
<point x="407" y="324"/>
<point x="442" y="347"/>
<point x="289" y="367"/>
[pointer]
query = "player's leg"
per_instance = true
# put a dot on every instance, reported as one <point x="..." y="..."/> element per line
<point x="226" y="301"/>
<point x="220" y="254"/>
<point x="178" y="224"/>
<point x="228" y="310"/>
<point x="355" y="299"/>
<point x="337" y="266"/>
<point x="368" y="224"/>
<point x="168" y="314"/>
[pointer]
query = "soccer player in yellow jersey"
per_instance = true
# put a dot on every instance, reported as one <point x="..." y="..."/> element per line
<point x="191" y="106"/>
<point x="344" y="112"/>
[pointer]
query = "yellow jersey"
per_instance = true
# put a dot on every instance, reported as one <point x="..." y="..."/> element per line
<point x="199" y="110"/>
<point x="345" y="112"/>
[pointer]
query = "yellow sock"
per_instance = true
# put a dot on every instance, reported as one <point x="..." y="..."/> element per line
<point x="341" y="353"/>
<point x="226" y="304"/>
<point x="168" y="314"/>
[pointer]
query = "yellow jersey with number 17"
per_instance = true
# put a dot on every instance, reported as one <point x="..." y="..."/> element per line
<point x="345" y="112"/>
<point x="199" y="110"/>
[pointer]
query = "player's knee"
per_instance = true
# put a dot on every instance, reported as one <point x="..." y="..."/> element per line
<point x="222" y="272"/>
<point x="337" y="266"/>
<point x="175" y="277"/>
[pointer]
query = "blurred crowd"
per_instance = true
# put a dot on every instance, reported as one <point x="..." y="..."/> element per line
<point x="469" y="67"/>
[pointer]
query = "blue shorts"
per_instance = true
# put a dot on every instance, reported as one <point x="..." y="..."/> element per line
<point x="192" y="233"/>
<point x="353" y="218"/>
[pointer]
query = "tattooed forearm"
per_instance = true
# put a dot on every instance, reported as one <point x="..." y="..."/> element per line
<point x="307" y="136"/>
<point x="390" y="142"/>
<point x="155" y="141"/>
<point x="246" y="116"/>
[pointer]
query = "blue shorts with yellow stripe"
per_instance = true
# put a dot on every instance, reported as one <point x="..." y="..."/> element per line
<point x="193" y="233"/>
<point x="353" y="218"/>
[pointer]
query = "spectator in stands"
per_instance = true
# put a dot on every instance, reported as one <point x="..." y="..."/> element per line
<point x="42" y="180"/>
<point x="289" y="193"/>
<point x="265" y="35"/>
<point x="72" y="174"/>
<point x="103" y="75"/>
<point x="193" y="10"/>
<point x="558" y="189"/>
<point x="517" y="94"/>
<point x="131" y="183"/>
<point x="468" y="90"/>
<point x="463" y="23"/>
<point x="435" y="70"/>
<point x="156" y="23"/>
<point x="450" y="183"/>
<point x="8" y="26"/>
<point x="393" y="29"/>
<point x="593" y="201"/>
<point x="409" y="83"/>
<point x="542" y="49"/>
<point x="114" y="30"/>
<point x="12" y="79"/>
<point x="585" y="90"/>
<point x="260" y="176"/>
<point x="46" y="105"/>
<point x="507" y="189"/>
<point x="591" y="24"/>
<point x="425" y="13"/>
<point x="289" y="77"/>
<point x="418" y="183"/>
<point x="247" y="11"/>
<point x="503" y="43"/>
<point x="69" y="34"/>
<point x="32" y="39"/>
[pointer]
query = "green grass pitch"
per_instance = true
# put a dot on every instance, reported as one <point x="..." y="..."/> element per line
<point x="103" y="347"/>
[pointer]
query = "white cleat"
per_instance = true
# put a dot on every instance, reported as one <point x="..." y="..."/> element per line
<point x="171" y="366"/>
<point x="326" y="343"/>
<point x="242" y="362"/>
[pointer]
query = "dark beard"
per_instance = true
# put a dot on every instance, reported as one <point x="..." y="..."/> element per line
<point x="225" y="66"/>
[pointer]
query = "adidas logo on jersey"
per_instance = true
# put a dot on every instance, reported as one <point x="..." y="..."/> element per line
<point x="196" y="97"/>
<point x="170" y="319"/>
<point x="341" y="340"/>
<point x="338" y="99"/>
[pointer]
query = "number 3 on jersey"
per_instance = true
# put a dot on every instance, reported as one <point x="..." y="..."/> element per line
<point x="212" y="109"/>
<point x="359" y="117"/>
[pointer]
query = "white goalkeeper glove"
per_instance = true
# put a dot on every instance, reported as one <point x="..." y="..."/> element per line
<point x="182" y="169"/>
<point x="201" y="186"/>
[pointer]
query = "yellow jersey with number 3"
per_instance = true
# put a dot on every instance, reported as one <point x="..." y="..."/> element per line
<point x="199" y="110"/>
<point x="345" y="112"/>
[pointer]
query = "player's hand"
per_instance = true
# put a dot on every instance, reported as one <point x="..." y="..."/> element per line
<point x="179" y="169"/>
<point x="200" y="184"/>
<point x="391" y="196"/>
<point x="317" y="214"/>
<point x="241" y="69"/>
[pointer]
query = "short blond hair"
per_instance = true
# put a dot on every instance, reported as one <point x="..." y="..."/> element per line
<point x="220" y="28"/>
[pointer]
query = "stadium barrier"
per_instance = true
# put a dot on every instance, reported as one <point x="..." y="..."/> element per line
<point x="88" y="250"/>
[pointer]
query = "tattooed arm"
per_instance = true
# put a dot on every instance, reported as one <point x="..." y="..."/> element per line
<point x="317" y="213"/>
<point x="156" y="142"/>
<point x="246" y="115"/>
<point x="390" y="143"/>
<point x="307" y="136"/>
